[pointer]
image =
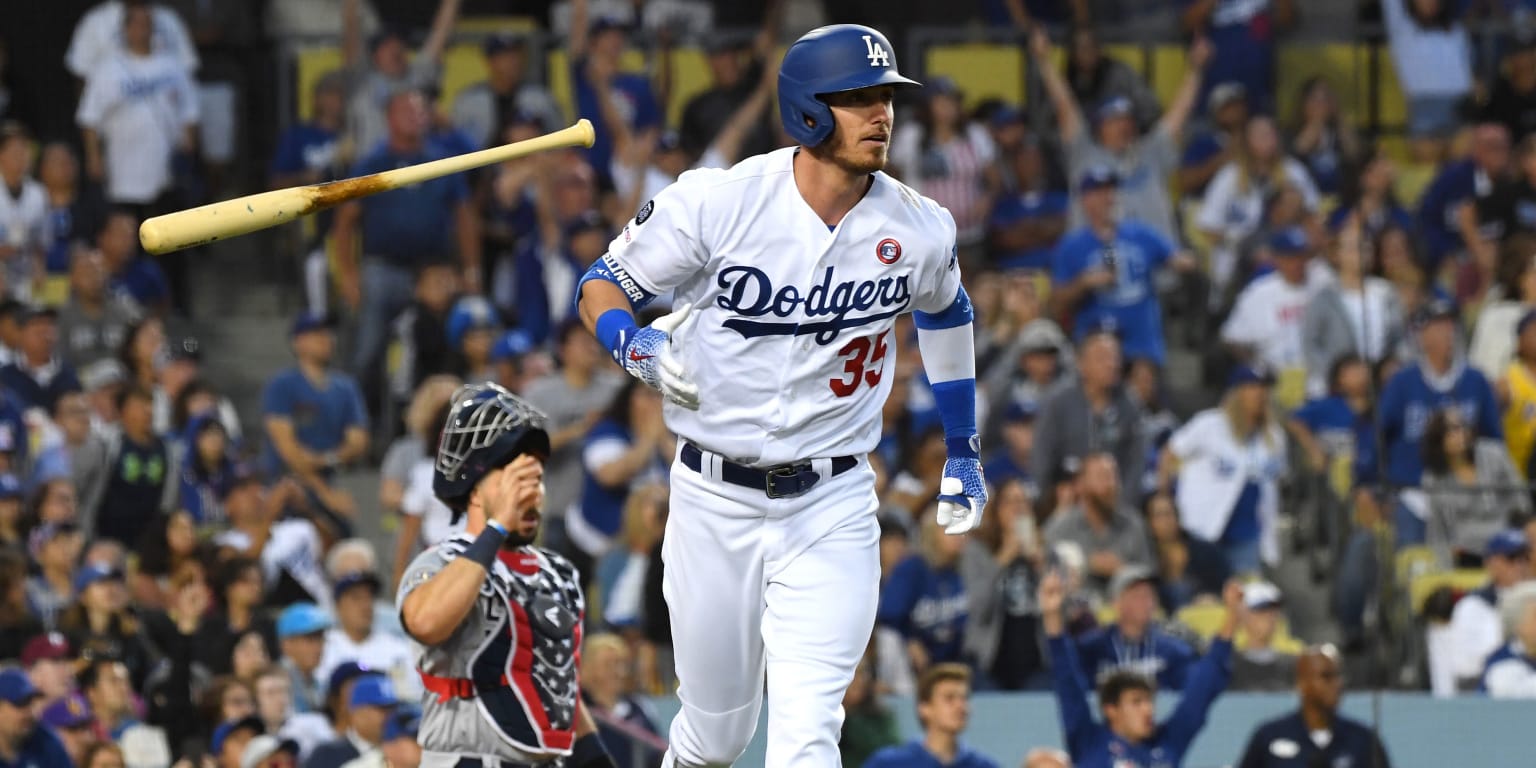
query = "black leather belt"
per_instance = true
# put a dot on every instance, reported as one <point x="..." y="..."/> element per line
<point x="779" y="482"/>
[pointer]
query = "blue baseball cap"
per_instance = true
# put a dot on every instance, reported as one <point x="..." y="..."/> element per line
<point x="72" y="711"/>
<point x="468" y="314"/>
<point x="16" y="688"/>
<point x="10" y="487"/>
<point x="586" y="221"/>
<point x="94" y="572"/>
<point x="344" y="673"/>
<point x="1250" y="374"/>
<point x="1291" y="241"/>
<point x="1508" y="542"/>
<point x="302" y="619"/>
<point x="512" y="344"/>
<point x="373" y="691"/>
<point x="404" y="723"/>
<point x="1114" y="106"/>
<point x="504" y="41"/>
<point x="1006" y="114"/>
<point x="307" y="321"/>
<point x="222" y="733"/>
<point x="1101" y="325"/>
<point x="355" y="579"/>
<point x="1020" y="413"/>
<point x="1436" y="309"/>
<point x="1098" y="177"/>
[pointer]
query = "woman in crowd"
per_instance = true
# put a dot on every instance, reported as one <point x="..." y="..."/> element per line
<point x="1229" y="461"/>
<point x="925" y="599"/>
<point x="1000" y="568"/>
<point x="1367" y="198"/>
<point x="1356" y="314"/>
<point x="408" y="464"/>
<point x="238" y="613"/>
<point x="169" y="542"/>
<point x="1398" y="261"/>
<point x="1187" y="567"/>
<point x="1321" y="138"/>
<point x="1472" y="487"/>
<point x="171" y="637"/>
<point x="17" y="624"/>
<point x="101" y="623"/>
<point x="1493" y="336"/>
<point x="1340" y="426"/>
<point x="207" y="470"/>
<point x="948" y="158"/>
<point x="143" y="352"/>
<point x="55" y="549"/>
<point x="627" y="446"/>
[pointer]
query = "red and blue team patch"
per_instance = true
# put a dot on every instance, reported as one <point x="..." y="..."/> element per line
<point x="888" y="251"/>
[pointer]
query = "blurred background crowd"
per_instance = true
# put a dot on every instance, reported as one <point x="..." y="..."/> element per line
<point x="1255" y="283"/>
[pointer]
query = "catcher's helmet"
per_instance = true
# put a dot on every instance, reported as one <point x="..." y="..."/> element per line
<point x="487" y="428"/>
<point x="841" y="57"/>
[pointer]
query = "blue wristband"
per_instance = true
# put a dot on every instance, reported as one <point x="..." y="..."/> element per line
<point x="497" y="527"/>
<point x="485" y="546"/>
<point x="614" y="329"/>
<point x="963" y="447"/>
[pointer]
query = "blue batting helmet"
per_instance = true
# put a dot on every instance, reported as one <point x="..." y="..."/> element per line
<point x="487" y="428"/>
<point x="841" y="57"/>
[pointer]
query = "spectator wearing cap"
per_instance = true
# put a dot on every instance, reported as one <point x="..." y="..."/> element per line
<point x="1142" y="163"/>
<point x="1355" y="315"/>
<point x="1265" y="659"/>
<point x="141" y="475"/>
<point x="943" y="711"/>
<point x="93" y="322"/>
<point x="355" y="638"/>
<point x="231" y="738"/>
<point x="181" y="393"/>
<point x="1233" y="205"/>
<point x="288" y="549"/>
<point x="1187" y="567"/>
<point x="1135" y="642"/>
<point x="1037" y="358"/>
<point x="69" y="718"/>
<point x="1110" y="533"/>
<point x="1458" y="648"/>
<point x="301" y="629"/>
<point x="1316" y="734"/>
<point x="1107" y="269"/>
<point x="17" y="624"/>
<point x="49" y="664"/>
<point x="1265" y="327"/>
<point x="1229" y="461"/>
<point x="1030" y="213"/>
<point x="482" y="108"/>
<point x="36" y="376"/>
<point x="1012" y="460"/>
<point x="316" y="421"/>
<point x="1471" y="489"/>
<point x="1091" y="412"/>
<point x="357" y="555"/>
<point x="383" y="65"/>
<point x="55" y="549"/>
<point x="473" y="325"/>
<point x="595" y="47"/>
<point x="1510" y="671"/>
<point x="515" y="361"/>
<point x="1128" y="731"/>
<point x="21" y="741"/>
<point x="1441" y="379"/>
<point x="100" y="624"/>
<point x="950" y="159"/>
<point x="266" y="751"/>
<point x="420" y="329"/>
<point x="370" y="704"/>
<point x="925" y="599"/>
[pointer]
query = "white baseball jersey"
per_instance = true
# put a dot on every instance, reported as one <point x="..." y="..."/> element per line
<point x="140" y="106"/>
<point x="24" y="226"/>
<point x="791" y="334"/>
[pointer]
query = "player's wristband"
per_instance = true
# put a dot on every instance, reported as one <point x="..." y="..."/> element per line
<point x="588" y="752"/>
<point x="485" y="547"/>
<point x="614" y="329"/>
<point x="497" y="527"/>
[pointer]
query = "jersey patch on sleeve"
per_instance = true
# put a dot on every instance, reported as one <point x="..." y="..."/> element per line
<point x="644" y="212"/>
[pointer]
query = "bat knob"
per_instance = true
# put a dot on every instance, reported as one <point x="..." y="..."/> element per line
<point x="152" y="236"/>
<point x="585" y="132"/>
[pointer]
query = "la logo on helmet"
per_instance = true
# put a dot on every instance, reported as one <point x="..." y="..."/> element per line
<point x="876" y="52"/>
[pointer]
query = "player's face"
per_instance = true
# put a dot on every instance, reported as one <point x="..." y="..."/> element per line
<point x="861" y="136"/>
<point x="948" y="708"/>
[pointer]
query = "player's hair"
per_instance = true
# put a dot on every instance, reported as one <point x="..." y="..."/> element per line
<point x="941" y="673"/>
<point x="271" y="670"/>
<point x="12" y="130"/>
<point x="1120" y="682"/>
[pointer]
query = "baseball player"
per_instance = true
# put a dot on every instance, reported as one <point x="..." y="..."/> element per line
<point x="790" y="270"/>
<point x="496" y="621"/>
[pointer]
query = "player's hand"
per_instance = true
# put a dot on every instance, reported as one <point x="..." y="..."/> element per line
<point x="1200" y="52"/>
<point x="1052" y="593"/>
<point x="648" y="357"/>
<point x="962" y="495"/>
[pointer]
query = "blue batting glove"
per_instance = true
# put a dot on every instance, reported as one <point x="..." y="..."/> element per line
<point x="646" y="354"/>
<point x="962" y="495"/>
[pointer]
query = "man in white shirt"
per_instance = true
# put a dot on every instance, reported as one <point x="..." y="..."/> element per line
<point x="1457" y="650"/>
<point x="139" y="106"/>
<point x="23" y="213"/>
<point x="354" y="637"/>
<point x="98" y="36"/>
<point x="1265" y="324"/>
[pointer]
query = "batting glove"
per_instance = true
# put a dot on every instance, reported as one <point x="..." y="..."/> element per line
<point x="962" y="495"/>
<point x="647" y="355"/>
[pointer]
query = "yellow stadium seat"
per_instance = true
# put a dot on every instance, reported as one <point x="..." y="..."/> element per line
<point x="55" y="291"/>
<point x="1343" y="66"/>
<point x="558" y="72"/>
<point x="690" y="77"/>
<point x="1412" y="561"/>
<point x="1391" y="105"/>
<point x="311" y="64"/>
<point x="1461" y="580"/>
<point x="1168" y="65"/>
<point x="982" y="70"/>
<point x="1129" y="55"/>
<point x="1105" y="614"/>
<point x="489" y="25"/>
<point x="463" y="65"/>
<point x="1412" y="180"/>
<point x="1202" y="618"/>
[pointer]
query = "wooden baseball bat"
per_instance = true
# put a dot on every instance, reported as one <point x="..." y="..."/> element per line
<point x="231" y="218"/>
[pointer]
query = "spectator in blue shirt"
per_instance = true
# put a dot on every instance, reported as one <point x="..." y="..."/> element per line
<point x="1135" y="642"/>
<point x="547" y="272"/>
<point x="36" y="376"/>
<point x="1445" y="222"/>
<point x="943" y="709"/>
<point x="1342" y="424"/>
<point x="401" y="230"/>
<point x="1129" y="735"/>
<point x="1367" y="198"/>
<point x="925" y="599"/>
<point x="1243" y="33"/>
<point x="1027" y="222"/>
<point x="1108" y="268"/>
<point x="628" y="446"/>
<point x="315" y="419"/>
<point x="595" y="48"/>
<point x="309" y="153"/>
<point x="1315" y="734"/>
<point x="22" y="742"/>
<point x="130" y="273"/>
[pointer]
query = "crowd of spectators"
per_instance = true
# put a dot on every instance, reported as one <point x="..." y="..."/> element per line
<point x="1189" y="312"/>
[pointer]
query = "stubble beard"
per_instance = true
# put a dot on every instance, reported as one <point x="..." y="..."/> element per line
<point x="854" y="160"/>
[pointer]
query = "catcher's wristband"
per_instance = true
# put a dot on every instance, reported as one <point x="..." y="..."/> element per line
<point x="485" y="546"/>
<point x="588" y="752"/>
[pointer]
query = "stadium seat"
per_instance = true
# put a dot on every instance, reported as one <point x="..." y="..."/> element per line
<point x="310" y="64"/>
<point x="1413" y="561"/>
<point x="982" y="70"/>
<point x="1412" y="180"/>
<point x="1459" y="581"/>
<point x="490" y="25"/>
<point x="1202" y="618"/>
<point x="1132" y="56"/>
<point x="1168" y="65"/>
<point x="463" y="65"/>
<point x="1342" y="65"/>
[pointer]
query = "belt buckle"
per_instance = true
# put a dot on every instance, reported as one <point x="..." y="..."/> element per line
<point x="797" y="479"/>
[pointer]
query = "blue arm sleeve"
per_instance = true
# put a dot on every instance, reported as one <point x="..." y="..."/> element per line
<point x="949" y="358"/>
<point x="1077" y="723"/>
<point x="608" y="269"/>
<point x="1207" y="680"/>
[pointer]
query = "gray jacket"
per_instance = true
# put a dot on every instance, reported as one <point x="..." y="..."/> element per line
<point x="1327" y="333"/>
<point x="1465" y="518"/>
<point x="1066" y="428"/>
